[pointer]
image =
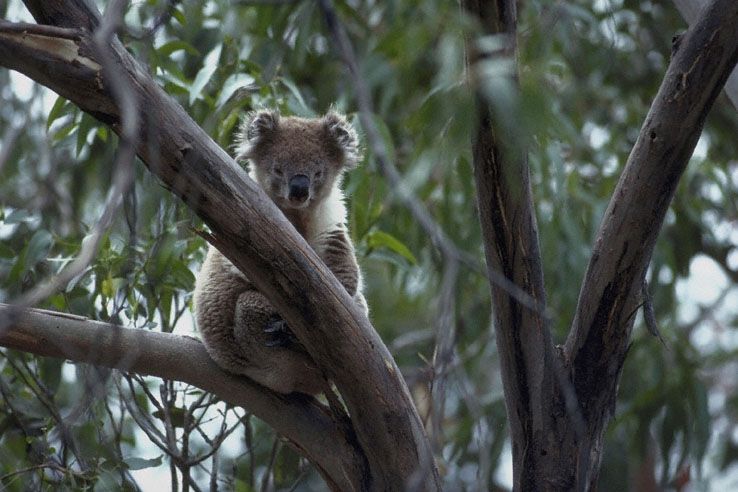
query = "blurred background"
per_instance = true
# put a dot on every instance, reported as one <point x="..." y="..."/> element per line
<point x="588" y="73"/>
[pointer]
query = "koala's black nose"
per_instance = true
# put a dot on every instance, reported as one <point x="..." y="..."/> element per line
<point x="299" y="188"/>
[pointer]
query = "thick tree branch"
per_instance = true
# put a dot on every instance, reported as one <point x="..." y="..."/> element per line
<point x="599" y="339"/>
<point x="255" y="236"/>
<point x="690" y="10"/>
<point x="305" y="422"/>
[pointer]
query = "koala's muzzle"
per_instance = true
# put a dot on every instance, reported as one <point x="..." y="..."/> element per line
<point x="299" y="188"/>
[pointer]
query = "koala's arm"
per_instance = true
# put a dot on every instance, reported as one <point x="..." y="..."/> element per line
<point x="337" y="251"/>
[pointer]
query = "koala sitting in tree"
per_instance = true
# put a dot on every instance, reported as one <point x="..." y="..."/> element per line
<point x="299" y="163"/>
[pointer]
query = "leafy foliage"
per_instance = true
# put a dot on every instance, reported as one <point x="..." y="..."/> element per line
<point x="588" y="74"/>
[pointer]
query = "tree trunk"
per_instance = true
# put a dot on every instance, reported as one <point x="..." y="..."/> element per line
<point x="560" y="399"/>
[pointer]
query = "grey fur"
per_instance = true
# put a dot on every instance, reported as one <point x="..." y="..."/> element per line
<point x="230" y="313"/>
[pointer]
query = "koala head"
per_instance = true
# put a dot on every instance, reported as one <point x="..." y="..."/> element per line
<point x="297" y="161"/>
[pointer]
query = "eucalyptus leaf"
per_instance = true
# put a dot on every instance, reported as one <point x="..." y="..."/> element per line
<point x="209" y="66"/>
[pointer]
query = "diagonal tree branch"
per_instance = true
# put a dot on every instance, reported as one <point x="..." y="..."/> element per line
<point x="598" y="341"/>
<point x="255" y="236"/>
<point x="600" y="335"/>
<point x="690" y="10"/>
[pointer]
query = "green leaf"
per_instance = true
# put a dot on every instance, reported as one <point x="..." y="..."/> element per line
<point x="232" y="84"/>
<point x="179" y="15"/>
<point x="60" y="108"/>
<point x="167" y="49"/>
<point x="298" y="96"/>
<point x="702" y="421"/>
<point x="38" y="247"/>
<point x="6" y="251"/>
<point x="86" y="124"/>
<point x="176" y="414"/>
<point x="108" y="290"/>
<point x="209" y="66"/>
<point x="379" y="239"/>
<point x="102" y="133"/>
<point x="50" y="370"/>
<point x="65" y="130"/>
<point x="134" y="463"/>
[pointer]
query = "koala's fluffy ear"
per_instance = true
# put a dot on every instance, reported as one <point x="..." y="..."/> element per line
<point x="344" y="136"/>
<point x="255" y="128"/>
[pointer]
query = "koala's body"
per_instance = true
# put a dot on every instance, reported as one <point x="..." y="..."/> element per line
<point x="299" y="163"/>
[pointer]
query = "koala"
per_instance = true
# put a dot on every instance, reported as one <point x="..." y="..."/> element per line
<point x="299" y="163"/>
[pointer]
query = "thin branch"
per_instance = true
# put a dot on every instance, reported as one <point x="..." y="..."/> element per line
<point x="28" y="30"/>
<point x="445" y="329"/>
<point x="162" y="19"/>
<point x="46" y="399"/>
<point x="123" y="165"/>
<point x="142" y="420"/>
<point x="388" y="170"/>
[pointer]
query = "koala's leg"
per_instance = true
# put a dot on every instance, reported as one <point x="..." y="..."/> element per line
<point x="283" y="367"/>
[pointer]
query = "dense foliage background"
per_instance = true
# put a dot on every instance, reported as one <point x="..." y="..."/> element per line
<point x="588" y="74"/>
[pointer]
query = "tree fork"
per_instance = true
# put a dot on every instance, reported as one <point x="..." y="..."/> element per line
<point x="559" y="405"/>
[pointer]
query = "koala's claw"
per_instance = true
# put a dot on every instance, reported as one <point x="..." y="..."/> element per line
<point x="279" y="334"/>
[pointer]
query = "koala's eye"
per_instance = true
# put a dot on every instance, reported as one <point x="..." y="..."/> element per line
<point x="278" y="171"/>
<point x="318" y="174"/>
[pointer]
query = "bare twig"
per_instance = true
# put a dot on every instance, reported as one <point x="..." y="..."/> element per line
<point x="40" y="30"/>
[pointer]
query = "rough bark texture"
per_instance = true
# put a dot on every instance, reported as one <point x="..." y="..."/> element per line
<point x="610" y="294"/>
<point x="690" y="10"/>
<point x="255" y="236"/>
<point x="511" y="248"/>
<point x="559" y="401"/>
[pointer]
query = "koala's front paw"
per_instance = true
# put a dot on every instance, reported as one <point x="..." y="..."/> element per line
<point x="279" y="334"/>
